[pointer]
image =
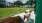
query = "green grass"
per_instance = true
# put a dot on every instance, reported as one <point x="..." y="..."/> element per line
<point x="4" y="12"/>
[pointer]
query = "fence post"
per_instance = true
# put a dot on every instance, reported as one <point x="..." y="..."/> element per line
<point x="38" y="11"/>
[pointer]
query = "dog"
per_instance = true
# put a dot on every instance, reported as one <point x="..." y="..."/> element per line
<point x="28" y="13"/>
<point x="19" y="18"/>
<point x="16" y="19"/>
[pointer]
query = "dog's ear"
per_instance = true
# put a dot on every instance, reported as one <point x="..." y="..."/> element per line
<point x="25" y="11"/>
<point x="30" y="11"/>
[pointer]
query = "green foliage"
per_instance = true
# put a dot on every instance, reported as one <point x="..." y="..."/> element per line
<point x="30" y="2"/>
<point x="27" y="3"/>
<point x="18" y="3"/>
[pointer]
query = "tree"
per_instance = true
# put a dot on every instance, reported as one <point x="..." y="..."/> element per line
<point x="18" y="3"/>
<point x="35" y="6"/>
<point x="31" y="2"/>
<point x="27" y="3"/>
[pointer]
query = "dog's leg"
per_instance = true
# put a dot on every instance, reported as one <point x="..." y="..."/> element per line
<point x="25" y="21"/>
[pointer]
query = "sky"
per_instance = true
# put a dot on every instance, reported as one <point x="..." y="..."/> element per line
<point x="12" y="1"/>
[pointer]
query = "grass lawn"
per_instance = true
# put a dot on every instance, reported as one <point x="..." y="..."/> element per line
<point x="4" y="12"/>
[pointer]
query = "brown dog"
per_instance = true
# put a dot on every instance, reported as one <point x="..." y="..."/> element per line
<point x="18" y="18"/>
<point x="12" y="20"/>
